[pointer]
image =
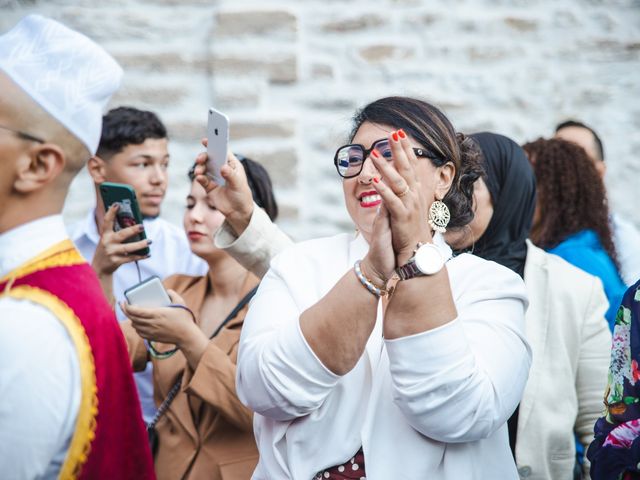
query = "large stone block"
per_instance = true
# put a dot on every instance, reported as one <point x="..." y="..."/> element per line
<point x="354" y="23"/>
<point x="384" y="53"/>
<point x="521" y="24"/>
<point x="263" y="129"/>
<point x="187" y="131"/>
<point x="150" y="95"/>
<point x="255" y="22"/>
<point x="282" y="165"/>
<point x="278" y="68"/>
<point x="161" y="62"/>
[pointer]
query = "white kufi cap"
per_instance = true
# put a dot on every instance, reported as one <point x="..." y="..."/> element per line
<point x="65" y="72"/>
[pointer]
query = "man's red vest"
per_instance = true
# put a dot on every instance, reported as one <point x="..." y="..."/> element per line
<point x="109" y="440"/>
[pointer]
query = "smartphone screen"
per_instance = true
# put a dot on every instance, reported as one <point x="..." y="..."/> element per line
<point x="128" y="212"/>
<point x="218" y="140"/>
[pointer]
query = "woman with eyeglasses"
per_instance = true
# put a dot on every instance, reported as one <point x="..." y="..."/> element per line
<point x="378" y="354"/>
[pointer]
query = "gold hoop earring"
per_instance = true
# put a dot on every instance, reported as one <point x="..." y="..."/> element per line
<point x="439" y="216"/>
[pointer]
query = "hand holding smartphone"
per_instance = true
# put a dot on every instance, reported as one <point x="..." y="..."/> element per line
<point x="128" y="210"/>
<point x="218" y="141"/>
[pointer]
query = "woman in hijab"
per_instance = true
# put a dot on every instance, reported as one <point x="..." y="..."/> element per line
<point x="565" y="323"/>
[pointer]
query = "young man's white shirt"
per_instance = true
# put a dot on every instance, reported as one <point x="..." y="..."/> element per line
<point x="40" y="374"/>
<point x="170" y="254"/>
<point x="626" y="238"/>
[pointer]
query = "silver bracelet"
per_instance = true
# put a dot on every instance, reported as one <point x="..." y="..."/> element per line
<point x="368" y="284"/>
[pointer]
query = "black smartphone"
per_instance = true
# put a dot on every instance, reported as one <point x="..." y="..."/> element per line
<point x="128" y="212"/>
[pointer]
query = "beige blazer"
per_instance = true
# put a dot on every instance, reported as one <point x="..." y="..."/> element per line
<point x="206" y="433"/>
<point x="571" y="346"/>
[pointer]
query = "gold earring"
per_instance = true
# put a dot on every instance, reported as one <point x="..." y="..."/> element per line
<point x="439" y="216"/>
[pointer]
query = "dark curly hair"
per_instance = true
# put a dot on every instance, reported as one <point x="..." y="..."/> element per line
<point x="428" y="126"/>
<point x="571" y="194"/>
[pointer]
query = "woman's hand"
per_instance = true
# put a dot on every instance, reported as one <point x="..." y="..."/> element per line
<point x="380" y="262"/>
<point x="164" y="324"/>
<point x="112" y="251"/>
<point x="403" y="196"/>
<point x="234" y="200"/>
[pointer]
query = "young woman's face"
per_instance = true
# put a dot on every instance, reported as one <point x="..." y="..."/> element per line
<point x="201" y="220"/>
<point x="361" y="199"/>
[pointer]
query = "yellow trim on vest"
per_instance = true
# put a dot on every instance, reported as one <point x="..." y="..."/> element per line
<point x="85" y="427"/>
<point x="62" y="254"/>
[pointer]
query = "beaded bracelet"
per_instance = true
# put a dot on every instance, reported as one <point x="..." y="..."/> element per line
<point x="368" y="284"/>
<point x="163" y="355"/>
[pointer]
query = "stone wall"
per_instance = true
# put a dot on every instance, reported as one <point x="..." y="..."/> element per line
<point x="290" y="74"/>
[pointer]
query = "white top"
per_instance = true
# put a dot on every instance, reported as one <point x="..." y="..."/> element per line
<point x="432" y="405"/>
<point x="39" y="375"/>
<point x="170" y="253"/>
<point x="571" y="345"/>
<point x="626" y="238"/>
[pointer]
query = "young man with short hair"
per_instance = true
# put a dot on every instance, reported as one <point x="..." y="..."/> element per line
<point x="626" y="236"/>
<point x="133" y="150"/>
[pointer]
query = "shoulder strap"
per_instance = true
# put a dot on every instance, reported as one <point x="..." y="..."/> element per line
<point x="235" y="311"/>
<point x="176" y="387"/>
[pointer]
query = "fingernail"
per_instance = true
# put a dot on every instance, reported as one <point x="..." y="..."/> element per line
<point x="140" y="227"/>
<point x="375" y="154"/>
<point x="395" y="136"/>
<point x="376" y="180"/>
<point x="402" y="134"/>
<point x="149" y="242"/>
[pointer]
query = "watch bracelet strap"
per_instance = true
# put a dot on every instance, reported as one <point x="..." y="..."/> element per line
<point x="408" y="270"/>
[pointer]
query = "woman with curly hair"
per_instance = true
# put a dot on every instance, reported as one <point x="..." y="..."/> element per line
<point x="572" y="216"/>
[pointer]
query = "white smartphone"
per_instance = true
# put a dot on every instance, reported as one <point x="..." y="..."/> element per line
<point x="148" y="293"/>
<point x="218" y="138"/>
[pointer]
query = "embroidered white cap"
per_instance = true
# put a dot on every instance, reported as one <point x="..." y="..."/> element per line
<point x="66" y="73"/>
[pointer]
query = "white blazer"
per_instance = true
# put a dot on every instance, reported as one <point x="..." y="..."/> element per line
<point x="571" y="346"/>
<point x="428" y="406"/>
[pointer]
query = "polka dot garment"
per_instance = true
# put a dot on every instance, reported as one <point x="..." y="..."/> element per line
<point x="351" y="470"/>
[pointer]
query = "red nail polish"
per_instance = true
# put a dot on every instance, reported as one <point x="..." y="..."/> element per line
<point x="402" y="134"/>
<point x="395" y="136"/>
<point x="376" y="180"/>
<point x="375" y="154"/>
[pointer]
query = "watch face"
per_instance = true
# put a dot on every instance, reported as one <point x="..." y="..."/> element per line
<point x="428" y="259"/>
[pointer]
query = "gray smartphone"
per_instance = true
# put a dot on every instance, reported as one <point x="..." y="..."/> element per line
<point x="148" y="293"/>
<point x="218" y="141"/>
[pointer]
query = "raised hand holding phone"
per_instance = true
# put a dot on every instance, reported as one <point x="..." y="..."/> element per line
<point x="233" y="199"/>
<point x="218" y="141"/>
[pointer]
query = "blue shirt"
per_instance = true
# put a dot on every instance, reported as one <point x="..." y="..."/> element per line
<point x="585" y="251"/>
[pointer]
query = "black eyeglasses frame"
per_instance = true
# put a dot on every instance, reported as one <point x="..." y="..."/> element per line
<point x="419" y="152"/>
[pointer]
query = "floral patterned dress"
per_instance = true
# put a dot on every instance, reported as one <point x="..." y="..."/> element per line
<point x="615" y="451"/>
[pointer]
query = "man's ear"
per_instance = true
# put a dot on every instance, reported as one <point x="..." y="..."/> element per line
<point x="446" y="174"/>
<point x="39" y="167"/>
<point x="97" y="169"/>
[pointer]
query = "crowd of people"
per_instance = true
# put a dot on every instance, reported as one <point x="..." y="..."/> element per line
<point x="480" y="322"/>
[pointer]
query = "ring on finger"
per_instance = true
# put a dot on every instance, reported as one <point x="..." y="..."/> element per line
<point x="404" y="192"/>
